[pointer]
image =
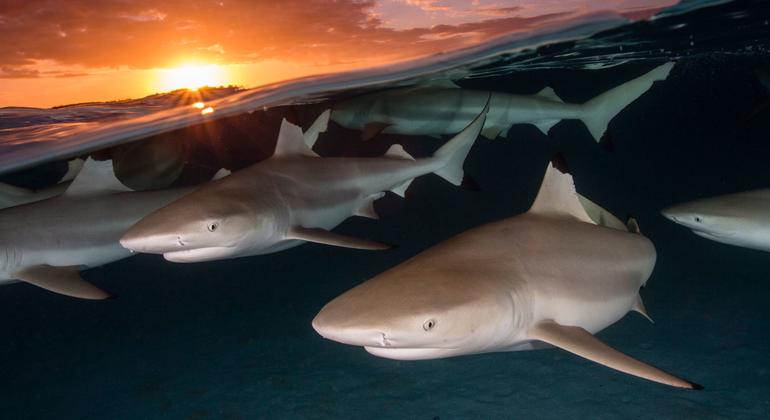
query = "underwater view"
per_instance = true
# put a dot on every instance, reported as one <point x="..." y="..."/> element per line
<point x="386" y="209"/>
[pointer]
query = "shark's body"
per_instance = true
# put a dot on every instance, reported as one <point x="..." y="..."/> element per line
<point x="741" y="219"/>
<point x="442" y="110"/>
<point x="48" y="242"/>
<point x="549" y="276"/>
<point x="293" y="197"/>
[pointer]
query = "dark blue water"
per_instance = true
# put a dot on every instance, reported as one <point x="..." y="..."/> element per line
<point x="232" y="339"/>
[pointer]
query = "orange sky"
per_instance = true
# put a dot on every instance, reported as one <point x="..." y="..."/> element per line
<point x="81" y="50"/>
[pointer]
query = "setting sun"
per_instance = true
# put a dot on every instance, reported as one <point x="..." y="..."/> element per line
<point x="192" y="77"/>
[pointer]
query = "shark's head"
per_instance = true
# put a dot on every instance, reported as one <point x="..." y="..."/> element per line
<point x="429" y="315"/>
<point x="200" y="227"/>
<point x="729" y="219"/>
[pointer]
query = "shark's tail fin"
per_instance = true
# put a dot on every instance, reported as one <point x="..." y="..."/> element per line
<point x="599" y="111"/>
<point x="453" y="153"/>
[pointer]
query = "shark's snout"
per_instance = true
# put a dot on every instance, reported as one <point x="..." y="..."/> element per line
<point x="669" y="214"/>
<point x="350" y="334"/>
<point x="152" y="243"/>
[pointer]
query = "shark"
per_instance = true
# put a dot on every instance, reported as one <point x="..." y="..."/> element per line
<point x="740" y="219"/>
<point x="49" y="242"/>
<point x="291" y="198"/>
<point x="521" y="283"/>
<point x="443" y="108"/>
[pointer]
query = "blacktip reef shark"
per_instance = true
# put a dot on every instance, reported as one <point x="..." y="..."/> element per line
<point x="517" y="284"/>
<point x="435" y="110"/>
<point x="741" y="219"/>
<point x="48" y="243"/>
<point x="291" y="198"/>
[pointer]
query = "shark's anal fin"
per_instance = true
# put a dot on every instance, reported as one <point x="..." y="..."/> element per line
<point x="326" y="237"/>
<point x="61" y="280"/>
<point x="372" y="130"/>
<point x="367" y="208"/>
<point x="397" y="152"/>
<point x="578" y="341"/>
<point x="545" y="125"/>
<point x="400" y="189"/>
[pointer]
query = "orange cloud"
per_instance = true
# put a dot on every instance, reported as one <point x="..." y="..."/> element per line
<point x="148" y="34"/>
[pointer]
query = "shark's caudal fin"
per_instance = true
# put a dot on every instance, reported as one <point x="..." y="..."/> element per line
<point x="599" y="111"/>
<point x="558" y="197"/>
<point x="453" y="153"/>
<point x="578" y="341"/>
<point x="96" y="177"/>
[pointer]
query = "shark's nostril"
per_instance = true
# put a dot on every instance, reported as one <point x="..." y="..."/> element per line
<point x="384" y="342"/>
<point x="179" y="241"/>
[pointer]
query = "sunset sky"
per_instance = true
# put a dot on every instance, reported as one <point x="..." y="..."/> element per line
<point x="58" y="52"/>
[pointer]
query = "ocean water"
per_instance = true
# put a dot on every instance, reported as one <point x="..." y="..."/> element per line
<point x="232" y="339"/>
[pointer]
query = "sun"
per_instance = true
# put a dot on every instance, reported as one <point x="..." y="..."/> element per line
<point x="192" y="77"/>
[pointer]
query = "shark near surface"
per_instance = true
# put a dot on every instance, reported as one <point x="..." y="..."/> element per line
<point x="437" y="110"/>
<point x="48" y="242"/>
<point x="516" y="284"/>
<point x="291" y="198"/>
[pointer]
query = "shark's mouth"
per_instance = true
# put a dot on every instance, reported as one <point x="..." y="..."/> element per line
<point x="200" y="254"/>
<point x="712" y="235"/>
<point x="411" y="353"/>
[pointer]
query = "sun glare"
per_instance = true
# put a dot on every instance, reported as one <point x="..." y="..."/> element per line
<point x="192" y="77"/>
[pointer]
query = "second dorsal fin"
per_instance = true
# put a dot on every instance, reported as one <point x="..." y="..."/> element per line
<point x="548" y="93"/>
<point x="96" y="177"/>
<point x="291" y="141"/>
<point x="558" y="197"/>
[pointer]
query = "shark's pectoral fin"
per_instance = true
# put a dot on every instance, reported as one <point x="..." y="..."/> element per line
<point x="373" y="129"/>
<point x="580" y="342"/>
<point x="62" y="280"/>
<point x="326" y="237"/>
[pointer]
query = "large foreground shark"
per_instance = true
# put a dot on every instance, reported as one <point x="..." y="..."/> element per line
<point x="47" y="243"/>
<point x="442" y="110"/>
<point x="293" y="197"/>
<point x="548" y="276"/>
<point x="741" y="219"/>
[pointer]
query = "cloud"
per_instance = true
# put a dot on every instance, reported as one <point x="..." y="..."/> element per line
<point x="147" y="33"/>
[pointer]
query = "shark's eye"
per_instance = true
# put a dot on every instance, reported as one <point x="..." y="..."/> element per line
<point x="698" y="219"/>
<point x="213" y="227"/>
<point x="429" y="324"/>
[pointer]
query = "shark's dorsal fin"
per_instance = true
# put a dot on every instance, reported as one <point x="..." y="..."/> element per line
<point x="397" y="152"/>
<point x="557" y="197"/>
<point x="291" y="141"/>
<point x="578" y="341"/>
<point x="319" y="126"/>
<point x="548" y="93"/>
<point x="96" y="177"/>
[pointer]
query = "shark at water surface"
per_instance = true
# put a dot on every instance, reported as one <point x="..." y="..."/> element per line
<point x="291" y="198"/>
